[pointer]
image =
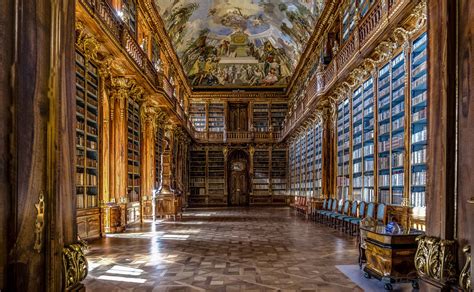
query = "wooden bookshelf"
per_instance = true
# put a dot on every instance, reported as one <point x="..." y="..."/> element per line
<point x="216" y="178"/>
<point x="368" y="138"/>
<point x="197" y="115"/>
<point x="418" y="122"/>
<point x="133" y="151"/>
<point x="260" y="113"/>
<point x="216" y="117"/>
<point x="87" y="147"/>
<point x="343" y="141"/>
<point x="357" y="146"/>
<point x="348" y="19"/>
<point x="261" y="180"/>
<point x="129" y="10"/>
<point x="197" y="174"/>
<point x="381" y="133"/>
<point x="278" y="172"/>
<point x="391" y="130"/>
<point x="309" y="160"/>
<point x="318" y="169"/>
<point x="87" y="130"/>
<point x="277" y="113"/>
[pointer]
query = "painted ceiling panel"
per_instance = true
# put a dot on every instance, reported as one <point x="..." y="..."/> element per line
<point x="239" y="42"/>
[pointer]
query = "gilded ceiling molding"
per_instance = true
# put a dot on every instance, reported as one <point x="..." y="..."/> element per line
<point x="436" y="259"/>
<point x="465" y="275"/>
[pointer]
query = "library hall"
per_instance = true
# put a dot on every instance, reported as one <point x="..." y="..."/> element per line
<point x="236" y="145"/>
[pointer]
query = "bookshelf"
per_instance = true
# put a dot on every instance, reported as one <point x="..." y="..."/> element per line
<point x="364" y="6"/>
<point x="129" y="10"/>
<point x="158" y="153"/>
<point x="309" y="161"/>
<point x="318" y="168"/>
<point x="87" y="157"/>
<point x="368" y="160"/>
<point x="261" y="180"/>
<point x="278" y="173"/>
<point x="197" y="171"/>
<point x="215" y="169"/>
<point x="216" y="117"/>
<point x="391" y="130"/>
<point x="278" y="112"/>
<point x="418" y="122"/>
<point x="343" y="140"/>
<point x="348" y="19"/>
<point x="357" y="146"/>
<point x="197" y="115"/>
<point x="133" y="151"/>
<point x="260" y="117"/>
<point x="298" y="166"/>
<point x="292" y="167"/>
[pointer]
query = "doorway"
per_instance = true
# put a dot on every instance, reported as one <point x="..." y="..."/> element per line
<point x="238" y="117"/>
<point x="238" y="179"/>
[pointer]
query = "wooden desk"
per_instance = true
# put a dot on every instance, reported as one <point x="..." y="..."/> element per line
<point x="391" y="257"/>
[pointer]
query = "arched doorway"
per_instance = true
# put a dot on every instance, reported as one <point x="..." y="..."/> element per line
<point x="238" y="179"/>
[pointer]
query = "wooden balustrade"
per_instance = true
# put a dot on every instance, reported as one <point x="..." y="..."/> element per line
<point x="101" y="10"/>
<point x="320" y="83"/>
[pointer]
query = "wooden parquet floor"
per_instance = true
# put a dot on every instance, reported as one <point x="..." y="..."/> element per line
<point x="242" y="249"/>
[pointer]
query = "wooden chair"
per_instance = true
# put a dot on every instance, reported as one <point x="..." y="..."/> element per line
<point x="323" y="207"/>
<point x="338" y="217"/>
<point x="320" y="213"/>
<point x="351" y="214"/>
<point x="381" y="214"/>
<point x="353" y="222"/>
<point x="336" y="208"/>
<point x="330" y="209"/>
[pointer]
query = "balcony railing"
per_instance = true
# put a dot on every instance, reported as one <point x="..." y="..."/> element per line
<point x="103" y="12"/>
<point x="237" y="137"/>
<point x="322" y="81"/>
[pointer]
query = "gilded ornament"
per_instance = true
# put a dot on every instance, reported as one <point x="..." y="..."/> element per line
<point x="465" y="275"/>
<point x="74" y="264"/>
<point x="436" y="258"/>
<point x="39" y="223"/>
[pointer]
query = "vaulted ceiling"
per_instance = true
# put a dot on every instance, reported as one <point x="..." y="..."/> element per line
<point x="239" y="43"/>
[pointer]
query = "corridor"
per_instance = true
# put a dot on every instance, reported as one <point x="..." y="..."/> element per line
<point x="244" y="249"/>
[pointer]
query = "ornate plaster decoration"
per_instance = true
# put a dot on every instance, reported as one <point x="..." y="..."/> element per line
<point x="74" y="264"/>
<point x="436" y="258"/>
<point x="86" y="43"/>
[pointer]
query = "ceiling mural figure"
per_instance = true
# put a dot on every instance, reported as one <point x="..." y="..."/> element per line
<point x="239" y="42"/>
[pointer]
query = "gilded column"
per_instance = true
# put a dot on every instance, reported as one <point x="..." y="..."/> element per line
<point x="118" y="128"/>
<point x="166" y="188"/>
<point x="148" y="115"/>
<point x="104" y="138"/>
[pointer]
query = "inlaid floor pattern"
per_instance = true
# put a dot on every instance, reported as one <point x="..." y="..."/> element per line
<point x="244" y="249"/>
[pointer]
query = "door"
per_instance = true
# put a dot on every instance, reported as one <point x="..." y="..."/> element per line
<point x="238" y="186"/>
<point x="238" y="117"/>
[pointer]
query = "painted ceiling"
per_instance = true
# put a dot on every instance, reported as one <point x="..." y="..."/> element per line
<point x="239" y="42"/>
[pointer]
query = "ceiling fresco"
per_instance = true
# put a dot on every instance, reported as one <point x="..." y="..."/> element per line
<point x="239" y="42"/>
